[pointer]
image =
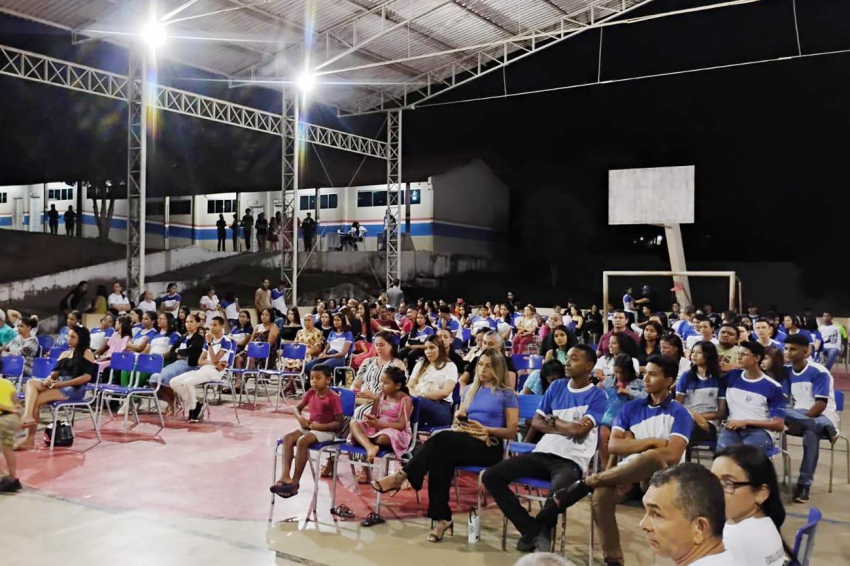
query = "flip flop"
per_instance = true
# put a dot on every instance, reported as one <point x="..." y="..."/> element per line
<point x="371" y="520"/>
<point x="281" y="488"/>
<point x="343" y="512"/>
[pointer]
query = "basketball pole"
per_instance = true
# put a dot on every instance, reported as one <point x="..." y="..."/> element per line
<point x="676" y="249"/>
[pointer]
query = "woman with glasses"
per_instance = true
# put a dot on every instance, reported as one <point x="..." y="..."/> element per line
<point x="754" y="511"/>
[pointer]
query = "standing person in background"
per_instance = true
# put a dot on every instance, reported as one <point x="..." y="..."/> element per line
<point x="279" y="299"/>
<point x="171" y="301"/>
<point x="75" y="299"/>
<point x="210" y="305"/>
<point x="308" y="228"/>
<point x="221" y="229"/>
<point x="263" y="297"/>
<point x="247" y="227"/>
<point x="230" y="304"/>
<point x="146" y="302"/>
<point x="53" y="219"/>
<point x="394" y="294"/>
<point x="70" y="220"/>
<point x="118" y="301"/>
<point x="274" y="232"/>
<point x="262" y="226"/>
<point x="234" y="232"/>
<point x="98" y="305"/>
<point x="831" y="335"/>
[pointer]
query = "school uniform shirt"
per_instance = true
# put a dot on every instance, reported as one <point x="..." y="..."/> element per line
<point x="453" y="325"/>
<point x="773" y="343"/>
<point x="722" y="559"/>
<point x="231" y="310"/>
<point x="483" y="322"/>
<point x="162" y="342"/>
<point x="571" y="404"/>
<point x="217" y="345"/>
<point x="831" y="336"/>
<point x="701" y="393"/>
<point x="693" y="339"/>
<point x="606" y="364"/>
<point x="814" y="383"/>
<point x="279" y="301"/>
<point x="419" y="336"/>
<point x="754" y="541"/>
<point x="171" y="303"/>
<point x="117" y="300"/>
<point x="684" y="330"/>
<point x="759" y="399"/>
<point x="663" y="421"/>
<point x="149" y="334"/>
<point x="147" y="306"/>
<point x="337" y="341"/>
<point x="99" y="337"/>
<point x="801" y="332"/>
<point x="135" y="329"/>
<point x="236" y="333"/>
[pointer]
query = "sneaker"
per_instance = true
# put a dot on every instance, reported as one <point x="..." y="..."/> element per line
<point x="543" y="541"/>
<point x="569" y="496"/>
<point x="801" y="494"/>
<point x="8" y="485"/>
<point x="526" y="543"/>
<point x="193" y="413"/>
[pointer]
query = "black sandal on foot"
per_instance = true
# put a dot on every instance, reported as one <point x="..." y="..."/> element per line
<point x="343" y="512"/>
<point x="372" y="519"/>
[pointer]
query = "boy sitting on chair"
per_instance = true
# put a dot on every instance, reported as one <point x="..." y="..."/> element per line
<point x="10" y="424"/>
<point x="323" y="424"/>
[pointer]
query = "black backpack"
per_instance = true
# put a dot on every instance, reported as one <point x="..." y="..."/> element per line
<point x="64" y="434"/>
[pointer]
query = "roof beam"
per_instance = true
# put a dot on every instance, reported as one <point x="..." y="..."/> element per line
<point x="395" y="18"/>
<point x="487" y="15"/>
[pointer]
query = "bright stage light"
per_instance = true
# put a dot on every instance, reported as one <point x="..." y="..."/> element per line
<point x="306" y="82"/>
<point x="154" y="34"/>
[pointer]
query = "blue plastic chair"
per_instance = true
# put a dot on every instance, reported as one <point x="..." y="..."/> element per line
<point x="143" y="363"/>
<point x="528" y="405"/>
<point x="70" y="408"/>
<point x="13" y="369"/>
<point x="839" y="407"/>
<point x="41" y="369"/>
<point x="804" y="541"/>
<point x="295" y="351"/>
<point x="347" y="400"/>
<point x="55" y="352"/>
<point x="259" y="352"/>
<point x="45" y="343"/>
<point x="524" y="365"/>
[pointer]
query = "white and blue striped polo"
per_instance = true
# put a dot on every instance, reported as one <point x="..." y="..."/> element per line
<point x="645" y="420"/>
<point x="814" y="383"/>
<point x="758" y="399"/>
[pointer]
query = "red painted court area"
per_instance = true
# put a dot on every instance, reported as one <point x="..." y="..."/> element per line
<point x="215" y="469"/>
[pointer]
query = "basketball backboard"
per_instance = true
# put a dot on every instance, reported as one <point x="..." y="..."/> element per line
<point x="658" y="195"/>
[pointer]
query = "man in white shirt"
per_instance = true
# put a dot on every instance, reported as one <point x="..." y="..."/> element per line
<point x="147" y="303"/>
<point x="831" y="335"/>
<point x="685" y="516"/>
<point x="118" y="301"/>
<point x="171" y="301"/>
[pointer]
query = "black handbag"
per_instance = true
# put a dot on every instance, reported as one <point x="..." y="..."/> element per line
<point x="63" y="432"/>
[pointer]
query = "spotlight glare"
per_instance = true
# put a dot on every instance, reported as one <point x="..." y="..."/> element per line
<point x="154" y="34"/>
<point x="306" y="82"/>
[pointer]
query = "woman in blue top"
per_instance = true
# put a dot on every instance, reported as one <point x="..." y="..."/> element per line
<point x="139" y="344"/>
<point x="488" y="415"/>
<point x="622" y="387"/>
<point x="415" y="347"/>
<point x="698" y="390"/>
<point x="71" y="322"/>
<point x="241" y="331"/>
<point x="337" y="346"/>
<point x="136" y="316"/>
<point x="166" y="338"/>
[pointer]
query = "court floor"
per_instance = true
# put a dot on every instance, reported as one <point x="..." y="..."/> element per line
<point x="199" y="495"/>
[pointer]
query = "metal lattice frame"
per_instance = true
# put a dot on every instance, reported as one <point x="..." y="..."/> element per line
<point x="136" y="170"/>
<point x="394" y="188"/>
<point x="290" y="146"/>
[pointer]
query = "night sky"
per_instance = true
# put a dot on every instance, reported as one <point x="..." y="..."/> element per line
<point x="768" y="141"/>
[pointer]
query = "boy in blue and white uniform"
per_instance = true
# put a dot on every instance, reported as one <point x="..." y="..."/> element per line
<point x="483" y="320"/>
<point x="755" y="403"/>
<point x="171" y="301"/>
<point x="812" y="411"/>
<point x="279" y="300"/>
<point x="651" y="434"/>
<point x="568" y="418"/>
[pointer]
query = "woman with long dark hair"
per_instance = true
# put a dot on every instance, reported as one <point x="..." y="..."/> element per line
<point x="67" y="382"/>
<point x="698" y="389"/>
<point x="620" y="343"/>
<point x="649" y="342"/>
<point x="672" y="346"/>
<point x="337" y="346"/>
<point x="754" y="510"/>
<point x="622" y="386"/>
<point x="433" y="380"/>
<point x="773" y="364"/>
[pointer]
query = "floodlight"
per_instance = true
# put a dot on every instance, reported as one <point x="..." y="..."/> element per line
<point x="154" y="34"/>
<point x="306" y="82"/>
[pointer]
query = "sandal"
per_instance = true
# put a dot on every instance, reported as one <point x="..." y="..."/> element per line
<point x="343" y="512"/>
<point x="283" y="489"/>
<point x="328" y="469"/>
<point x="383" y="485"/>
<point x="439" y="530"/>
<point x="371" y="520"/>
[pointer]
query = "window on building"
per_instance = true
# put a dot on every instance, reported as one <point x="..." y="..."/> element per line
<point x="379" y="198"/>
<point x="155" y="208"/>
<point x="217" y="206"/>
<point x="60" y="194"/>
<point x="4" y="198"/>
<point x="325" y="202"/>
<point x="185" y="207"/>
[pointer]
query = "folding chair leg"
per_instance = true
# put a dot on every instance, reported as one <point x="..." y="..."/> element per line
<point x="53" y="436"/>
<point x="274" y="479"/>
<point x="504" y="533"/>
<point x="94" y="424"/>
<point x="383" y="471"/>
<point x="457" y="491"/>
<point x="159" y="412"/>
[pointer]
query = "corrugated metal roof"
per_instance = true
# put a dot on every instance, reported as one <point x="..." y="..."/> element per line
<point x="273" y="38"/>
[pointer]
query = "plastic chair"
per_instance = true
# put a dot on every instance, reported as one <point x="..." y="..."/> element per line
<point x="839" y="407"/>
<point x="536" y="485"/>
<point x="295" y="351"/>
<point x="347" y="399"/>
<point x="55" y="352"/>
<point x="45" y="343"/>
<point x="86" y="404"/>
<point x="385" y="456"/>
<point x="423" y="430"/>
<point x="524" y="365"/>
<point x="13" y="369"/>
<point x="259" y="352"/>
<point x="804" y="541"/>
<point x="143" y="363"/>
<point x="225" y="381"/>
<point x="781" y="449"/>
<point x="528" y="405"/>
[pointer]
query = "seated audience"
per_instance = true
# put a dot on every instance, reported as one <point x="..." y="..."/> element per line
<point x="139" y="345"/>
<point x="101" y="335"/>
<point x="7" y="331"/>
<point x="136" y="318"/>
<point x="67" y="382"/>
<point x="290" y="329"/>
<point x="704" y="333"/>
<point x="180" y="323"/>
<point x="487" y="417"/>
<point x="483" y="320"/>
<point x="325" y="324"/>
<point x="756" y="403"/>
<point x="618" y="324"/>
<point x="698" y="389"/>
<point x="433" y="381"/>
<point x="10" y="424"/>
<point x="773" y="365"/>
<point x="650" y="434"/>
<point x="811" y="412"/>
<point x="265" y="331"/>
<point x="240" y="332"/>
<point x="618" y="343"/>
<point x="684" y="518"/>
<point x="116" y="343"/>
<point x="337" y="345"/>
<point x="24" y="344"/>
<point x="792" y="325"/>
<point x="831" y="335"/>
<point x="166" y="338"/>
<point x="447" y="339"/>
<point x="727" y="346"/>
<point x="562" y="341"/>
<point x="526" y="328"/>
<point x="567" y="418"/>
<point x="538" y="381"/>
<point x="623" y="386"/>
<point x="367" y="381"/>
<point x="754" y="511"/>
<point x="72" y="321"/>
<point x="686" y="325"/>
<point x="415" y="346"/>
<point x="671" y="347"/>
<point x="312" y="338"/>
<point x="325" y="421"/>
<point x="478" y="347"/>
<point x="650" y="343"/>
<point x="184" y="358"/>
<point x="764" y="332"/>
<point x="212" y="363"/>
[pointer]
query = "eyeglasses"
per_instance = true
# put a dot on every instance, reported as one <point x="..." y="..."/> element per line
<point x="730" y="486"/>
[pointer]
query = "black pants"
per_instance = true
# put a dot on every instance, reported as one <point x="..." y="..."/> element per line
<point x="69" y="228"/>
<point x="438" y="459"/>
<point x="235" y="240"/>
<point x="559" y="471"/>
<point x="247" y="234"/>
<point x="54" y="228"/>
<point x="222" y="238"/>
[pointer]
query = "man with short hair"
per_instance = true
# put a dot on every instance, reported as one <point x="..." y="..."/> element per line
<point x="708" y="311"/>
<point x="447" y="320"/>
<point x="685" y="517"/>
<point x="652" y="434"/>
<point x="676" y="310"/>
<point x="727" y="346"/>
<point x="812" y="412"/>
<point x="705" y="332"/>
<point x="763" y="329"/>
<point x="753" y="312"/>
<point x="755" y="402"/>
<point x="247" y="226"/>
<point x="53" y="219"/>
<point x="831" y="335"/>
<point x="262" y="298"/>
<point x="408" y="322"/>
<point x="70" y="221"/>
<point x="618" y="324"/>
<point x="568" y="418"/>
<point x="308" y="229"/>
<point x="395" y="295"/>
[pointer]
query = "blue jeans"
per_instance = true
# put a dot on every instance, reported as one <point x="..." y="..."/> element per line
<point x="332" y="362"/>
<point x="829" y="356"/>
<point x="434" y="413"/>
<point x="812" y="429"/>
<point x="169" y="372"/>
<point x="757" y="437"/>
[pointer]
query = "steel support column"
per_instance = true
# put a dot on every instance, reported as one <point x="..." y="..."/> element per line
<point x="290" y="151"/>
<point x="136" y="169"/>
<point x="394" y="191"/>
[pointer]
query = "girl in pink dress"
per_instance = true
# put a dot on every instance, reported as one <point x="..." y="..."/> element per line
<point x="388" y="424"/>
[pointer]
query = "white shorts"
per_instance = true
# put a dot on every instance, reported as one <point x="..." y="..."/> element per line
<point x="321" y="435"/>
